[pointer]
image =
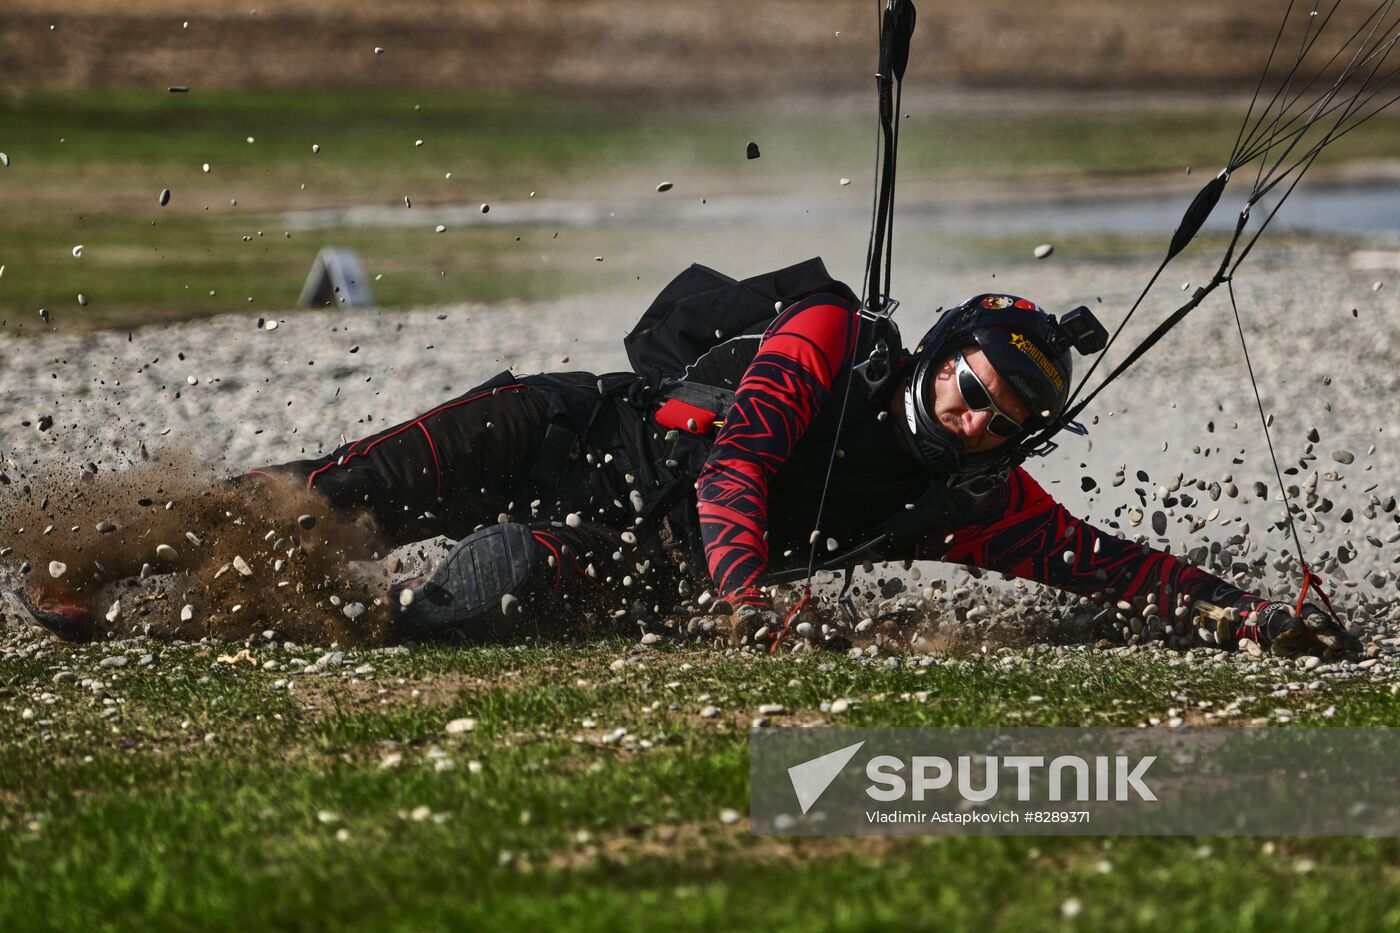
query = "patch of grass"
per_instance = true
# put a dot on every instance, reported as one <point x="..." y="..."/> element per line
<point x="343" y="801"/>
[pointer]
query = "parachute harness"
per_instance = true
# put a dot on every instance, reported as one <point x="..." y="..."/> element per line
<point x="896" y="28"/>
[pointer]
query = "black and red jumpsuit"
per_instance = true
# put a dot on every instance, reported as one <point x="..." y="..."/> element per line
<point x="477" y="459"/>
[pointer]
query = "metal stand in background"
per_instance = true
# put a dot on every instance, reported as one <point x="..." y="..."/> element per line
<point x="336" y="278"/>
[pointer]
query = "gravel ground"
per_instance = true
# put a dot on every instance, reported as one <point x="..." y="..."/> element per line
<point x="230" y="393"/>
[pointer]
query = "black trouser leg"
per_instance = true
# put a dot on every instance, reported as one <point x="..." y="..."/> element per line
<point x="457" y="466"/>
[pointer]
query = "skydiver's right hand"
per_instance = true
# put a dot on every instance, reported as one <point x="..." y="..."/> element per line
<point x="754" y="620"/>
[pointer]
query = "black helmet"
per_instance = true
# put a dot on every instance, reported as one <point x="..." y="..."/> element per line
<point x="1027" y="347"/>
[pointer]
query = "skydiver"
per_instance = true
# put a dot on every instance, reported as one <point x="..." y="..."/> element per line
<point x="573" y="493"/>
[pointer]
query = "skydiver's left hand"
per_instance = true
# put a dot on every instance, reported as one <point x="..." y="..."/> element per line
<point x="1312" y="632"/>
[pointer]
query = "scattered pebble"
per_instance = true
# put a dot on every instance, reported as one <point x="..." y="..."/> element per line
<point x="1043" y="250"/>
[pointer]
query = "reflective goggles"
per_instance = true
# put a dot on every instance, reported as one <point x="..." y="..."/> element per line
<point x="976" y="397"/>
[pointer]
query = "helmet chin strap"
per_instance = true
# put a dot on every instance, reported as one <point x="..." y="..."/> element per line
<point x="940" y="448"/>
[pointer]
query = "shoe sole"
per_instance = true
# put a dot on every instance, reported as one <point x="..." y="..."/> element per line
<point x="54" y="623"/>
<point x="472" y="580"/>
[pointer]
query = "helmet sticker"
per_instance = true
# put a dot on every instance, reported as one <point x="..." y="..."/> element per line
<point x="1025" y="346"/>
<point x="1025" y="305"/>
<point x="997" y="302"/>
<point x="1023" y="388"/>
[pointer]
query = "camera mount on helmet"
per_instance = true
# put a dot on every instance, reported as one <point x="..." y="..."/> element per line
<point x="1082" y="331"/>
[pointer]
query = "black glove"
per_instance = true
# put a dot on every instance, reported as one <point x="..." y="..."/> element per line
<point x="1274" y="626"/>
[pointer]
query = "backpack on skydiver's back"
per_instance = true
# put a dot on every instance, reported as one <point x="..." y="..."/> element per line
<point x="702" y="309"/>
<point x="691" y="347"/>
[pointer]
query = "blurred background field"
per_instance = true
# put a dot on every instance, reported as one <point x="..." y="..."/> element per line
<point x="544" y="110"/>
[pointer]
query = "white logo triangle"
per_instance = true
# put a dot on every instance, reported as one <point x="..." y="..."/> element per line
<point x="811" y="778"/>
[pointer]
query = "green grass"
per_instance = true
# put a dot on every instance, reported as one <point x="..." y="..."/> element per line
<point x="289" y="818"/>
<point x="87" y="168"/>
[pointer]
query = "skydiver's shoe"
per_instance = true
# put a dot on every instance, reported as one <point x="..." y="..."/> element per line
<point x="61" y="617"/>
<point x="482" y="578"/>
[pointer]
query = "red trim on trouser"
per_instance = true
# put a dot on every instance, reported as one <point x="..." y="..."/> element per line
<point x="437" y="464"/>
<point x="547" y="541"/>
<point x="311" y="479"/>
<point x="581" y="570"/>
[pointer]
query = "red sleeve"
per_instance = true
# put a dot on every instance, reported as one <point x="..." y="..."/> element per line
<point x="784" y="387"/>
<point x="1027" y="534"/>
